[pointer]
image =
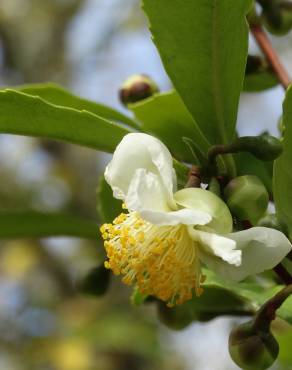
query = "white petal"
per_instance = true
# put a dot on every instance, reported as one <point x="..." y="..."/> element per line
<point x="206" y="201"/>
<point x="183" y="216"/>
<point x="262" y="249"/>
<point x="217" y="245"/>
<point x="136" y="151"/>
<point x="146" y="193"/>
<point x="146" y="196"/>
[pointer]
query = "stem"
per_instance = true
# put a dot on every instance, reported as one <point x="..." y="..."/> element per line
<point x="267" y="312"/>
<point x="271" y="55"/>
<point x="243" y="144"/>
<point x="220" y="149"/>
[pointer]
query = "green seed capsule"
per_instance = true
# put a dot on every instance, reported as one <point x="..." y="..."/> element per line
<point x="176" y="318"/>
<point x="247" y="198"/>
<point x="269" y="149"/>
<point x="96" y="282"/>
<point x="252" y="349"/>
<point x="277" y="17"/>
<point x="137" y="88"/>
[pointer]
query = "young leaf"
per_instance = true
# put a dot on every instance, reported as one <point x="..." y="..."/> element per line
<point x="166" y="116"/>
<point x="57" y="95"/>
<point x="38" y="225"/>
<point x="203" y="45"/>
<point x="23" y="114"/>
<point x="182" y="172"/>
<point x="282" y="169"/>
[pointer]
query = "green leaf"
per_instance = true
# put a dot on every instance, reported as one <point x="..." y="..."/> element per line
<point x="23" y="114"/>
<point x="285" y="312"/>
<point x="108" y="207"/>
<point x="39" y="225"/>
<point x="255" y="82"/>
<point x="217" y="301"/>
<point x="212" y="303"/>
<point x="284" y="338"/>
<point x="282" y="169"/>
<point x="223" y="297"/>
<point x="203" y="45"/>
<point x="252" y="292"/>
<point x="166" y="116"/>
<point x="121" y="328"/>
<point x="57" y="95"/>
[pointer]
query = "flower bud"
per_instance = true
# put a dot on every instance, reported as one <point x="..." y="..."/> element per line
<point x="96" y="282"/>
<point x="252" y="349"/>
<point x="247" y="198"/>
<point x="176" y="318"/>
<point x="269" y="148"/>
<point x="136" y="88"/>
<point x="265" y="147"/>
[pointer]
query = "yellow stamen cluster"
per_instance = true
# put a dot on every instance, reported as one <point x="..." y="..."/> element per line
<point x="161" y="260"/>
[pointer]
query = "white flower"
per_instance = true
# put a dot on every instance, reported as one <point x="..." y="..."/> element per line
<point x="160" y="243"/>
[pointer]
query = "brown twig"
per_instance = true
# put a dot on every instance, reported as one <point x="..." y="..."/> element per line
<point x="267" y="312"/>
<point x="283" y="274"/>
<point x="271" y="55"/>
<point x="219" y="149"/>
<point x="194" y="178"/>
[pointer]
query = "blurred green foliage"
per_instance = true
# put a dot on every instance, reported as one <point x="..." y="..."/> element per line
<point x="45" y="321"/>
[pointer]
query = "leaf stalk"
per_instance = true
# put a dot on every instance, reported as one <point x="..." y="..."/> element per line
<point x="266" y="46"/>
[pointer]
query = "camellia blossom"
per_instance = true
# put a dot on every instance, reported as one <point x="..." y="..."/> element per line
<point x="160" y="243"/>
